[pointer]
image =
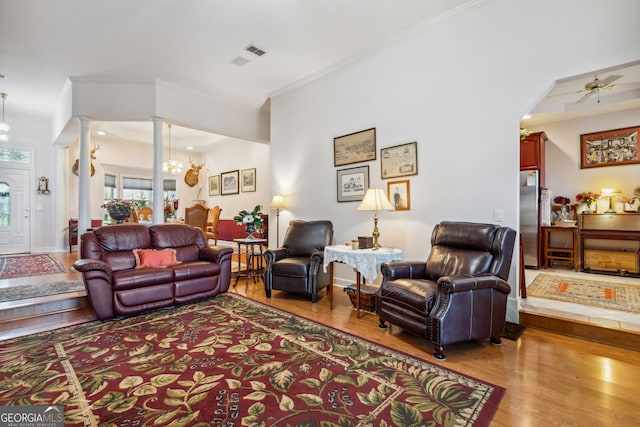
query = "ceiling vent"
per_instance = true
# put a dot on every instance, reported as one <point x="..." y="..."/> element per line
<point x="255" y="50"/>
<point x="239" y="61"/>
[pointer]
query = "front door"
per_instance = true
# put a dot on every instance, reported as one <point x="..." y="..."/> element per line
<point x="14" y="211"/>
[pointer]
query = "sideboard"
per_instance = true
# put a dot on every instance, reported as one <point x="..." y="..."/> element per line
<point x="610" y="243"/>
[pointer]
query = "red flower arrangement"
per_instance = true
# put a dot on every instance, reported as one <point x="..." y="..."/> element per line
<point x="587" y="197"/>
<point x="561" y="200"/>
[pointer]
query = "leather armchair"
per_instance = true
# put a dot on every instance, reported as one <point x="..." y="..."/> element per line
<point x="297" y="265"/>
<point x="459" y="293"/>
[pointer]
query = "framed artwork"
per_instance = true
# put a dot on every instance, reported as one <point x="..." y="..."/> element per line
<point x="230" y="182"/>
<point x="214" y="185"/>
<point x="248" y="180"/>
<point x="400" y="160"/>
<point x="399" y="195"/>
<point x="352" y="183"/>
<point x="609" y="148"/>
<point x="355" y="147"/>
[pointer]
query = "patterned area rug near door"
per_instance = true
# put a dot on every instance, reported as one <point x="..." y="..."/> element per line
<point x="232" y="361"/>
<point x="29" y="265"/>
<point x="605" y="294"/>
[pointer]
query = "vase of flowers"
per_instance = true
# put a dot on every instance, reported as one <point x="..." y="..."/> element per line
<point x="251" y="221"/>
<point x="564" y="207"/>
<point x="118" y="209"/>
<point x="588" y="198"/>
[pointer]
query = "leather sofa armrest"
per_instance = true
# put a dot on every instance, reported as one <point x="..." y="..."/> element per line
<point x="469" y="282"/>
<point x="403" y="270"/>
<point x="273" y="255"/>
<point x="86" y="265"/>
<point x="215" y="253"/>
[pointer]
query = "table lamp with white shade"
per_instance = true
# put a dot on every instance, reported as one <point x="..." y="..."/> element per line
<point x="375" y="200"/>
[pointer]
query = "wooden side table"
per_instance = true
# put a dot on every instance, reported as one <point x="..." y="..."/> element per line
<point x="558" y="255"/>
<point x="253" y="254"/>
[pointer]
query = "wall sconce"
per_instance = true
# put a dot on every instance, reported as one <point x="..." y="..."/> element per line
<point x="277" y="203"/>
<point x="610" y="192"/>
<point x="375" y="200"/>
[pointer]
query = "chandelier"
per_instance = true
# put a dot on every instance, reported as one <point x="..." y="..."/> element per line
<point x="174" y="167"/>
<point x="4" y="127"/>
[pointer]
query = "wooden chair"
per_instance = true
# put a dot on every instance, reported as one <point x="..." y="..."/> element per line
<point x="145" y="213"/>
<point x="197" y="216"/>
<point x="133" y="218"/>
<point x="212" y="224"/>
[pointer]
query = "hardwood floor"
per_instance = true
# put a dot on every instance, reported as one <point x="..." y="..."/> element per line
<point x="551" y="379"/>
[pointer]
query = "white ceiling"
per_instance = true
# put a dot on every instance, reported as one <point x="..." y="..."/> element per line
<point x="567" y="98"/>
<point x="192" y="45"/>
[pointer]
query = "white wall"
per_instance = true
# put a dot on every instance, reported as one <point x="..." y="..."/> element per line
<point x="235" y="154"/>
<point x="563" y="174"/>
<point x="458" y="88"/>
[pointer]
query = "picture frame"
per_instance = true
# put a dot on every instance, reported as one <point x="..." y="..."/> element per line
<point x="352" y="183"/>
<point x="230" y="182"/>
<point x="214" y="185"/>
<point x="399" y="160"/>
<point x="399" y="194"/>
<point x="248" y="180"/>
<point x="610" y="148"/>
<point x="355" y="147"/>
<point x="43" y="185"/>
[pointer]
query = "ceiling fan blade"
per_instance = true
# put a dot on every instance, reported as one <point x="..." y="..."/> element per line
<point x="606" y="82"/>
<point x="586" y="96"/>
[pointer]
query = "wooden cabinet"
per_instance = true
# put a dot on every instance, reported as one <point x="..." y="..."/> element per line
<point x="610" y="243"/>
<point x="532" y="153"/>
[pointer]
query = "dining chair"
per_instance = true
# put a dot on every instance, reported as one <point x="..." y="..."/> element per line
<point x="212" y="224"/>
<point x="197" y="216"/>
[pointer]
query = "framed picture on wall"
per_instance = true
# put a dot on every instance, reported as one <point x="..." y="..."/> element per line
<point x="355" y="147"/>
<point x="399" y="195"/>
<point x="400" y="160"/>
<point x="352" y="184"/>
<point x="214" y="185"/>
<point x="609" y="148"/>
<point x="248" y="180"/>
<point x="230" y="182"/>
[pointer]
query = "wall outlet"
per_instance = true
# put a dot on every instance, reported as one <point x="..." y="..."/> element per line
<point x="498" y="215"/>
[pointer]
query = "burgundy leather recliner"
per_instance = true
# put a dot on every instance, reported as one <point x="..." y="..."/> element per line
<point x="460" y="292"/>
<point x="116" y="288"/>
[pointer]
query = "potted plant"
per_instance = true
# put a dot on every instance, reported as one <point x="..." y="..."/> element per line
<point x="118" y="209"/>
<point x="251" y="221"/>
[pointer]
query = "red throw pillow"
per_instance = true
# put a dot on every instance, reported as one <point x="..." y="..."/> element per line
<point x="155" y="257"/>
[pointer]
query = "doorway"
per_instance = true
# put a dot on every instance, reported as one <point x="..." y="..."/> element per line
<point x="14" y="211"/>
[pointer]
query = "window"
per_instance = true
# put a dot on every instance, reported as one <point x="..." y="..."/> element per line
<point x="138" y="190"/>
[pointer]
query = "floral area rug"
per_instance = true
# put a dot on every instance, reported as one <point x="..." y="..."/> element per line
<point x="14" y="293"/>
<point x="605" y="294"/>
<point x="234" y="362"/>
<point x="29" y="265"/>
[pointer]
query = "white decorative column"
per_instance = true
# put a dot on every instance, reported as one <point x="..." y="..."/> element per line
<point x="84" y="175"/>
<point x="60" y="189"/>
<point x="158" y="185"/>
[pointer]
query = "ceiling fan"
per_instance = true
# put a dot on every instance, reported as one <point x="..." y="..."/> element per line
<point x="593" y="87"/>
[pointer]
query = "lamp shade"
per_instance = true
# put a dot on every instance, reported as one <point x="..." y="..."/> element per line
<point x="375" y="200"/>
<point x="277" y="202"/>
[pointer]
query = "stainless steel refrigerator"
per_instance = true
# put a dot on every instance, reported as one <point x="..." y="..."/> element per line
<point x="530" y="216"/>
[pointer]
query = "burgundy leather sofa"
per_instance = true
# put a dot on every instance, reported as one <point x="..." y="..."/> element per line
<point x="115" y="286"/>
<point x="459" y="293"/>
